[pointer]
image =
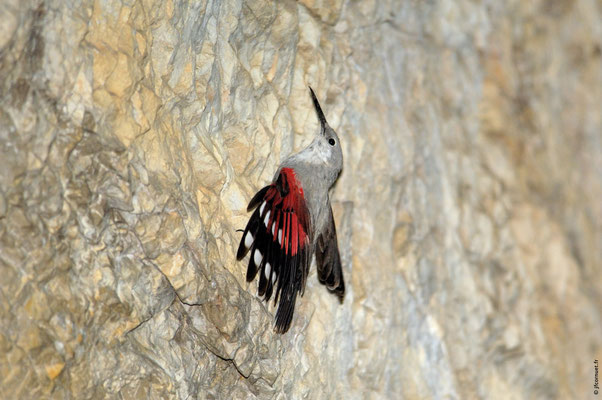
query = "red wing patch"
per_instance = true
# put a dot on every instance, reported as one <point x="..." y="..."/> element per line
<point x="278" y="236"/>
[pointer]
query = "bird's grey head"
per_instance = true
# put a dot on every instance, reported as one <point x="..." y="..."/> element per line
<point x="326" y="146"/>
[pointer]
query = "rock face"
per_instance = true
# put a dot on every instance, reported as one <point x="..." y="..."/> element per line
<point x="133" y="133"/>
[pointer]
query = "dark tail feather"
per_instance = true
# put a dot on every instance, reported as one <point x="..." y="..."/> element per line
<point x="328" y="261"/>
<point x="339" y="291"/>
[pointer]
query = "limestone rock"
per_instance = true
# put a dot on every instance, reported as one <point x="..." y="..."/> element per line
<point x="133" y="133"/>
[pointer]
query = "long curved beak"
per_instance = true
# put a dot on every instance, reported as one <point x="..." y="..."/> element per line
<point x="321" y="116"/>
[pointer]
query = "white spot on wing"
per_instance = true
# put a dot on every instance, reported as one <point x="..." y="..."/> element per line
<point x="279" y="236"/>
<point x="268" y="270"/>
<point x="273" y="228"/>
<point x="257" y="257"/>
<point x="267" y="218"/>
<point x="261" y="208"/>
<point x="248" y="240"/>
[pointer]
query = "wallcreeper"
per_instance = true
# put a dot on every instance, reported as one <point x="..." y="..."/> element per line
<point x="292" y="221"/>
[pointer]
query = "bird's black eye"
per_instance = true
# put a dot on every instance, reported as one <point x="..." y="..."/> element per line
<point x="331" y="141"/>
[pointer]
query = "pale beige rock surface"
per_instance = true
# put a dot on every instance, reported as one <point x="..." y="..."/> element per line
<point x="133" y="133"/>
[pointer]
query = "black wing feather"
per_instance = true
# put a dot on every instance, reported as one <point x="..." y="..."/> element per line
<point x="271" y="237"/>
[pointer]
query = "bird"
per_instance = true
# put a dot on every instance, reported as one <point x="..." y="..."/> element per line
<point x="292" y="220"/>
